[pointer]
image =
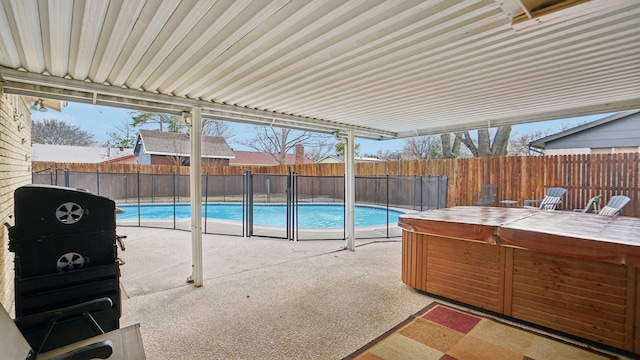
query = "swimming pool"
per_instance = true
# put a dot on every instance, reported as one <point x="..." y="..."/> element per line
<point x="309" y="215"/>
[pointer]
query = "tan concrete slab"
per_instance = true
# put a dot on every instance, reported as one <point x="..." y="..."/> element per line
<point x="262" y="298"/>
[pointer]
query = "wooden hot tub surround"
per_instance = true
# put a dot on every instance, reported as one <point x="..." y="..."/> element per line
<point x="573" y="272"/>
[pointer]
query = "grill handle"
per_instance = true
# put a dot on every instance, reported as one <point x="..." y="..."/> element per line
<point x="120" y="242"/>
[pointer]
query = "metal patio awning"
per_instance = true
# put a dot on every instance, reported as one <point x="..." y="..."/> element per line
<point x="383" y="68"/>
<point x="377" y="69"/>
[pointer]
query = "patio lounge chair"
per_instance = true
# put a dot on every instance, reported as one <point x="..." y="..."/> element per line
<point x="550" y="201"/>
<point x="593" y="206"/>
<point x="615" y="205"/>
<point x="487" y="196"/>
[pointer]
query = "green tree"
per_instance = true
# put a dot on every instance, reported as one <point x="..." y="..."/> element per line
<point x="340" y="148"/>
<point x="173" y="123"/>
<point x="57" y="132"/>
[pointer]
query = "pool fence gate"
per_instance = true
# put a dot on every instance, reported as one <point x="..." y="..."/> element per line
<point x="388" y="192"/>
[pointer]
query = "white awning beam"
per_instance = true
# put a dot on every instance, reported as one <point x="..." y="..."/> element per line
<point x="35" y="85"/>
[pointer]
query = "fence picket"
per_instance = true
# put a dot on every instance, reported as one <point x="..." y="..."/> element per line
<point x="518" y="178"/>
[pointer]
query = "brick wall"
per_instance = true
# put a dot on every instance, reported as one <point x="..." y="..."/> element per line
<point x="15" y="171"/>
<point x="299" y="154"/>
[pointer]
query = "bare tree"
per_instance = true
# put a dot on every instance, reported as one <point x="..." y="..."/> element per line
<point x="56" y="132"/>
<point x="214" y="127"/>
<point x="180" y="149"/>
<point x="124" y="136"/>
<point x="278" y="142"/>
<point x="519" y="143"/>
<point x="485" y="147"/>
<point x="450" y="150"/>
<point x="318" y="148"/>
<point x="388" y="154"/>
<point x="422" y="147"/>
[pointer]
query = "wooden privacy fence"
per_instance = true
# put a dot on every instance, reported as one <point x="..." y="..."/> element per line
<point x="517" y="178"/>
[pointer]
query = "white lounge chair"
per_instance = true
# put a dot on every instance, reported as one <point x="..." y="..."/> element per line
<point x="551" y="200"/>
<point x="615" y="205"/>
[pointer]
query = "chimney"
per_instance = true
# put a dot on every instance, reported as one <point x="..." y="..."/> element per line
<point x="299" y="154"/>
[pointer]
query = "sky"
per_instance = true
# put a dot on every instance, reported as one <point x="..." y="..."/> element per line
<point x="100" y="120"/>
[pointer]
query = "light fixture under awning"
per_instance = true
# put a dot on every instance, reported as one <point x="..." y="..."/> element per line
<point x="529" y="15"/>
<point x="40" y="104"/>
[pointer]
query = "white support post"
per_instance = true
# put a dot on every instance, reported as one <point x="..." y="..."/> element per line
<point x="195" y="175"/>
<point x="350" y="190"/>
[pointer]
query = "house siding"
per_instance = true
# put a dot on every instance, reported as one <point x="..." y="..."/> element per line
<point x="615" y="150"/>
<point x="163" y="160"/>
<point x="171" y="160"/>
<point x="144" y="159"/>
<point x="15" y="171"/>
<point x="622" y="133"/>
<point x="567" y="151"/>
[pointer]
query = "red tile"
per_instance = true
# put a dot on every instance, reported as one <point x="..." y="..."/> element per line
<point x="447" y="357"/>
<point x="452" y="319"/>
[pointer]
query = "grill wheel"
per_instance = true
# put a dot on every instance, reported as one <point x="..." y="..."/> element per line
<point x="69" y="213"/>
<point x="70" y="261"/>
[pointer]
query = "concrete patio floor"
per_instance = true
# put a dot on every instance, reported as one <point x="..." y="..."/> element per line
<point x="262" y="298"/>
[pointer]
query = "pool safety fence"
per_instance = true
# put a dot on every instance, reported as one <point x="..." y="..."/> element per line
<point x="407" y="193"/>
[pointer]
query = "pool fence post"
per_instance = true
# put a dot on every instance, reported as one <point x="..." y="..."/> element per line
<point x="296" y="208"/>
<point x="387" y="206"/>
<point x="244" y="201"/>
<point x="421" y="193"/>
<point x="206" y="200"/>
<point x="248" y="204"/>
<point x="288" y="208"/>
<point x="138" y="180"/>
<point x="153" y="188"/>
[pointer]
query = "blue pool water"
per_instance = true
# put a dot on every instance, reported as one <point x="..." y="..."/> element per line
<point x="309" y="215"/>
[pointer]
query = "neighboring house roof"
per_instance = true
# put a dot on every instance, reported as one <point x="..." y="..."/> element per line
<point x="340" y="159"/>
<point x="129" y="159"/>
<point x="590" y="126"/>
<point x="172" y="144"/>
<point x="76" y="154"/>
<point x="262" y="158"/>
<point x="331" y="159"/>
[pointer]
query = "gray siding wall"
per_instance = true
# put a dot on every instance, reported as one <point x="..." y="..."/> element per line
<point x="144" y="158"/>
<point x="618" y="133"/>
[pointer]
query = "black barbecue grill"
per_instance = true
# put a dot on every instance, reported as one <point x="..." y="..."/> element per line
<point x="64" y="242"/>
